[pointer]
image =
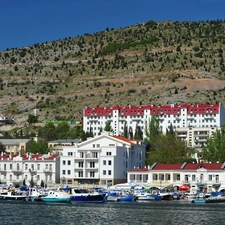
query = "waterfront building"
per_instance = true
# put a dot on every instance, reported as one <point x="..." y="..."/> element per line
<point x="191" y="121"/>
<point x="14" y="168"/>
<point x="195" y="175"/>
<point x="102" y="160"/>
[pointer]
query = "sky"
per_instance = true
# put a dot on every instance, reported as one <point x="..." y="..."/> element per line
<point x="28" y="22"/>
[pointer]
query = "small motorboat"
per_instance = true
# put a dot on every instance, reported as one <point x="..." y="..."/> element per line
<point x="56" y="196"/>
<point x="143" y="195"/>
<point x="11" y="195"/>
<point x="83" y="195"/>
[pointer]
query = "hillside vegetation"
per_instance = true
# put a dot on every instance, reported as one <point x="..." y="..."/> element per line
<point x="148" y="63"/>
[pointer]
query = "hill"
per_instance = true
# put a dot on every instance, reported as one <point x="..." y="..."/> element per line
<point x="148" y="63"/>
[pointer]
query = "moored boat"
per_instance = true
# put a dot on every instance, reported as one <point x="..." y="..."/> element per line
<point x="83" y="195"/>
<point x="11" y="195"/>
<point x="56" y="196"/>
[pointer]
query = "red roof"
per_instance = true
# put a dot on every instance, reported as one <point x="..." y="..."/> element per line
<point x="139" y="170"/>
<point x="187" y="166"/>
<point x="124" y="139"/>
<point x="32" y="156"/>
<point x="165" y="109"/>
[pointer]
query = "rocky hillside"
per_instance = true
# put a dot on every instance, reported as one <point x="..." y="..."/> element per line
<point x="149" y="63"/>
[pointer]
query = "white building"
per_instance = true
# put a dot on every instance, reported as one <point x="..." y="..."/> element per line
<point x="6" y="119"/>
<point x="181" y="117"/>
<point x="39" y="167"/>
<point x="195" y="175"/>
<point x="102" y="160"/>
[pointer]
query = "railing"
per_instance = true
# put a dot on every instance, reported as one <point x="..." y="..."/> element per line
<point x="48" y="170"/>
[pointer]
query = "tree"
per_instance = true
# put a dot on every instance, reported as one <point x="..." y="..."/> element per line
<point x="108" y="127"/>
<point x="152" y="129"/>
<point x="131" y="135"/>
<point x="138" y="133"/>
<point x="125" y="130"/>
<point x="42" y="183"/>
<point x="214" y="149"/>
<point x="41" y="146"/>
<point x="32" y="119"/>
<point x="31" y="182"/>
<point x="24" y="182"/>
<point x="169" y="148"/>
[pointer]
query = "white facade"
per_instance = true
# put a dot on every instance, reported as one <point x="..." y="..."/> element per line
<point x="15" y="168"/>
<point x="181" y="117"/>
<point x="204" y="175"/>
<point x="102" y="160"/>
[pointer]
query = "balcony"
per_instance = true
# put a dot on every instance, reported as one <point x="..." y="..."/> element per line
<point x="47" y="170"/>
<point x="17" y="171"/>
<point x="32" y="171"/>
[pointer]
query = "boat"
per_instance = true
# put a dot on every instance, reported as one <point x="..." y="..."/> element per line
<point x="34" y="194"/>
<point x="11" y="195"/>
<point x="120" y="196"/>
<point x="143" y="195"/>
<point x="166" y="195"/>
<point x="83" y="195"/>
<point x="56" y="196"/>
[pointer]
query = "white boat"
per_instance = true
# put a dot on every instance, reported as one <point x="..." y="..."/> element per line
<point x="11" y="195"/>
<point x="34" y="194"/>
<point x="143" y="195"/>
<point x="56" y="196"/>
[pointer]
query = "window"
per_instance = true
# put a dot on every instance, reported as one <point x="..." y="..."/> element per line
<point x="38" y="177"/>
<point x="38" y="166"/>
<point x="68" y="163"/>
<point x="18" y="166"/>
<point x="17" y="177"/>
<point x="70" y="153"/>
<point x="26" y="177"/>
<point x="178" y="177"/>
<point x="104" y="172"/>
<point x="63" y="172"/>
<point x="109" y="172"/>
<point x="92" y="164"/>
<point x="10" y="166"/>
<point x="109" y="163"/>
<point x="104" y="162"/>
<point x="32" y="166"/>
<point x="10" y="177"/>
<point x="64" y="162"/>
<point x="69" y="181"/>
<point x="210" y="177"/>
<point x="193" y="177"/>
<point x="80" y="174"/>
<point x="46" y="166"/>
<point x="108" y="153"/>
<point x="80" y="164"/>
<point x="92" y="174"/>
<point x="26" y="166"/>
<point x="50" y="167"/>
<point x="68" y="172"/>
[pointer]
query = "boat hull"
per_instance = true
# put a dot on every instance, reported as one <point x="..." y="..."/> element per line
<point x="88" y="198"/>
<point x="19" y="197"/>
<point x="46" y="199"/>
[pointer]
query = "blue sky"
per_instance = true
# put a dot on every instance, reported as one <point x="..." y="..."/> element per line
<point x="26" y="22"/>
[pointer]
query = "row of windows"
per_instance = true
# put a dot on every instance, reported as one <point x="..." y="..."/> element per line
<point x="20" y="167"/>
<point x="20" y="177"/>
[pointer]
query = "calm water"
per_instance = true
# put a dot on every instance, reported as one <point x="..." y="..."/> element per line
<point x="164" y="212"/>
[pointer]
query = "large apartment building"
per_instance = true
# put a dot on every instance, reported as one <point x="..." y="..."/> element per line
<point x="102" y="160"/>
<point x="198" y="119"/>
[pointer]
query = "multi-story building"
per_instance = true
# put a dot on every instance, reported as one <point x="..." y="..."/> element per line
<point x="101" y="160"/>
<point x="184" y="118"/>
<point x="14" y="169"/>
<point x="195" y="175"/>
<point x="15" y="146"/>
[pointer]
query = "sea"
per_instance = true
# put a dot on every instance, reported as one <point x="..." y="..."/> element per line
<point x="120" y="213"/>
